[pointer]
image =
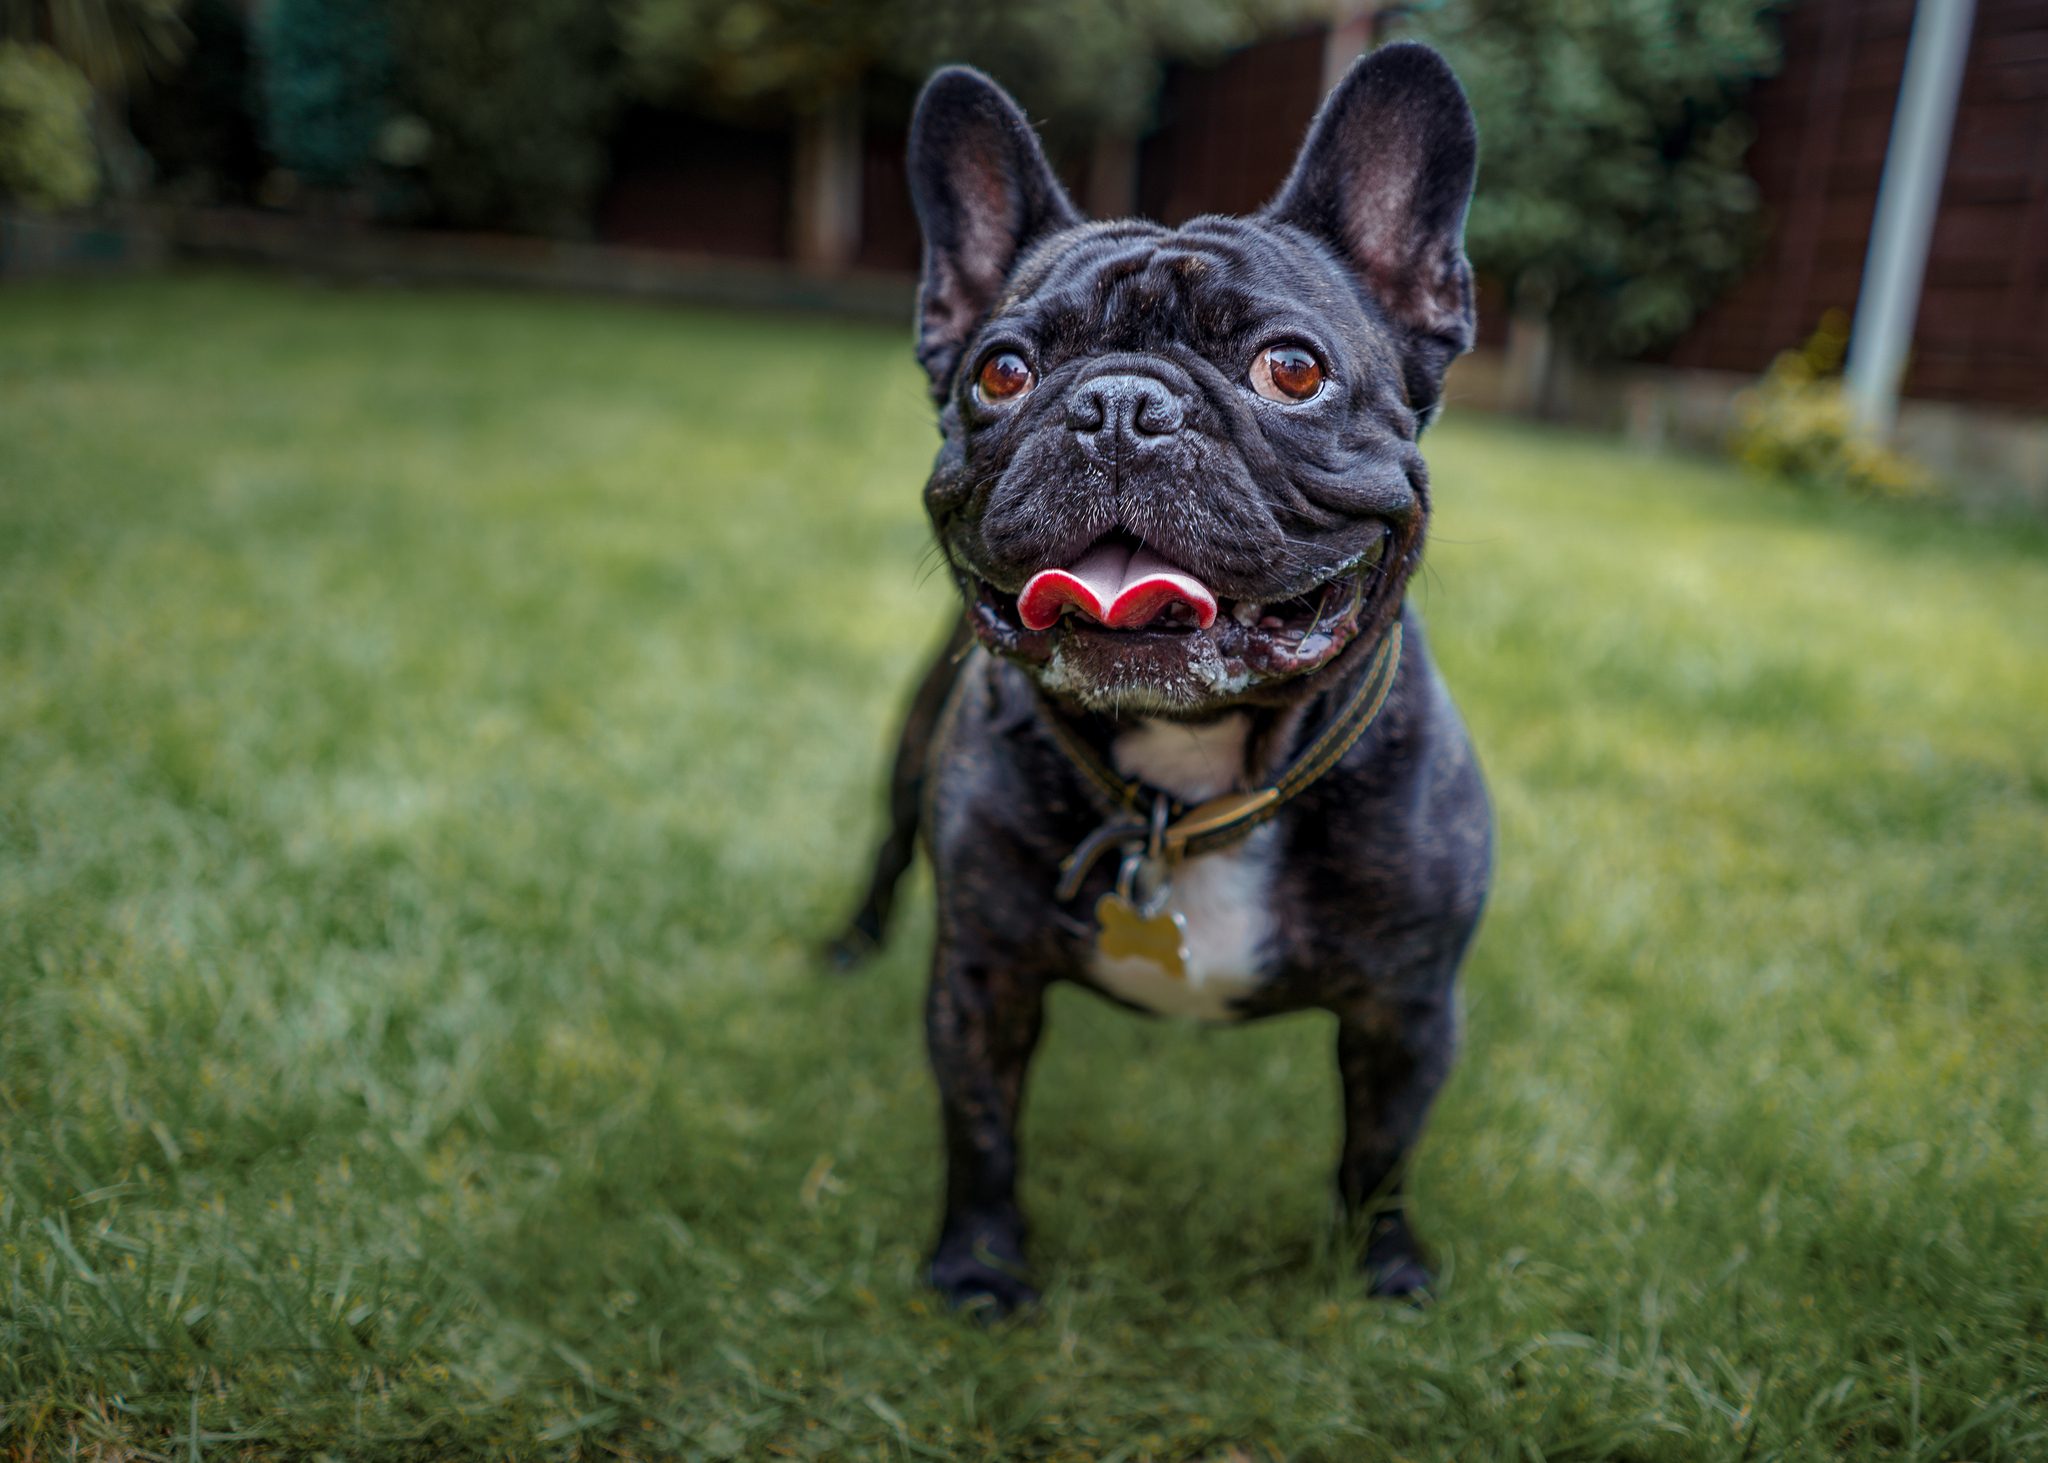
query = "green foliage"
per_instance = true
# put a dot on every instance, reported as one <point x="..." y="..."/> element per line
<point x="116" y="43"/>
<point x="435" y="731"/>
<point x="715" y="53"/>
<point x="514" y="100"/>
<point x="1797" y="425"/>
<point x="326" y="75"/>
<point x="1612" y="193"/>
<point x="1081" y="64"/>
<point x="46" y="153"/>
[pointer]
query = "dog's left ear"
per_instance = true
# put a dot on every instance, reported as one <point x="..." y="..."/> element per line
<point x="984" y="194"/>
<point x="1384" y="179"/>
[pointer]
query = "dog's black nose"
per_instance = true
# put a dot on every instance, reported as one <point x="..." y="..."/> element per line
<point x="1128" y="408"/>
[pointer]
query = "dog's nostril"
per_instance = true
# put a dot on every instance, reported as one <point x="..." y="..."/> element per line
<point x="1128" y="406"/>
<point x="1156" y="416"/>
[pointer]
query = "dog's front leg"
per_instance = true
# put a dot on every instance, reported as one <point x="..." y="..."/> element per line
<point x="1392" y="1059"/>
<point x="982" y="1025"/>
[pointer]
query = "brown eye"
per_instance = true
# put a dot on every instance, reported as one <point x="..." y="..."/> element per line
<point x="1003" y="376"/>
<point x="1286" y="373"/>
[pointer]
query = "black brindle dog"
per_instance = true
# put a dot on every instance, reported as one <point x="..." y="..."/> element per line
<point x="1188" y="747"/>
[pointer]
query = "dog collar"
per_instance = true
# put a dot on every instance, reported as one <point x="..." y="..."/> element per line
<point x="1163" y="827"/>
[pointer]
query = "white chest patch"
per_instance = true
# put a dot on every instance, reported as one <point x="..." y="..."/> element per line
<point x="1224" y="897"/>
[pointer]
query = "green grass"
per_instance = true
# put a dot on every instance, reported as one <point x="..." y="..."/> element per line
<point x="434" y="728"/>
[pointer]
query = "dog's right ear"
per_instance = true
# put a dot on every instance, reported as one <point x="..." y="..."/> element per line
<point x="984" y="194"/>
<point x="1384" y="179"/>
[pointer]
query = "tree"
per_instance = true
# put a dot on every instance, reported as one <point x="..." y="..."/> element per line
<point x="1082" y="63"/>
<point x="734" y="56"/>
<point x="326" y="74"/>
<point x="1612" y="197"/>
<point x="1092" y="67"/>
<point x="514" y="100"/>
<point x="1085" y="66"/>
<point x="115" y="43"/>
<point x="46" y="157"/>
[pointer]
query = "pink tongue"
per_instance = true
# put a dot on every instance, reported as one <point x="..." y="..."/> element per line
<point x="1116" y="586"/>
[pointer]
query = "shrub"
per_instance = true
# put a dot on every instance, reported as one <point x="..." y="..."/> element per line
<point x="1797" y="425"/>
<point x="326" y="73"/>
<point x="114" y="43"/>
<point x="1081" y="64"/>
<point x="46" y="154"/>
<point x="1613" y="195"/>
<point x="514" y="101"/>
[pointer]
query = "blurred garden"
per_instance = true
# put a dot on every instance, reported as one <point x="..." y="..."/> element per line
<point x="438" y="724"/>
<point x="1670" y="233"/>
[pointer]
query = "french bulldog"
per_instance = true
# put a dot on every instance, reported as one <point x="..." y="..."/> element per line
<point x="1187" y="747"/>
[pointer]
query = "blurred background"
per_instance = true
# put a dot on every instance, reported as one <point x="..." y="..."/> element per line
<point x="1673" y="195"/>
<point x="461" y="563"/>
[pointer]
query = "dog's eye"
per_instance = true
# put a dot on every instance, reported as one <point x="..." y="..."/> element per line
<point x="1286" y="373"/>
<point x="1004" y="376"/>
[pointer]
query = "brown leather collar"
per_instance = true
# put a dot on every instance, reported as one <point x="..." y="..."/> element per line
<point x="1143" y="816"/>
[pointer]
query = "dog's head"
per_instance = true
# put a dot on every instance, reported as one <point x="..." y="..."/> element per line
<point x="1179" y="468"/>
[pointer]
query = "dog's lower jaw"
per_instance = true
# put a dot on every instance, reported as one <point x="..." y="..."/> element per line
<point x="1205" y="685"/>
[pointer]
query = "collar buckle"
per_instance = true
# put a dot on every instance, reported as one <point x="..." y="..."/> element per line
<point x="1163" y="839"/>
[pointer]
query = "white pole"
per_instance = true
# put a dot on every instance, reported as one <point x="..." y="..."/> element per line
<point x="1914" y="162"/>
<point x="1348" y="38"/>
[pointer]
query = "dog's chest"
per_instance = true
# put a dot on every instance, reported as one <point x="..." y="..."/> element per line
<point x="1224" y="897"/>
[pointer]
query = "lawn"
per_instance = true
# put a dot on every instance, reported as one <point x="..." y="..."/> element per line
<point x="434" y="729"/>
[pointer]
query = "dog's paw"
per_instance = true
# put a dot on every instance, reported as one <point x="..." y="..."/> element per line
<point x="985" y="1279"/>
<point x="1393" y="1265"/>
<point x="849" y="950"/>
<point x="1401" y="1279"/>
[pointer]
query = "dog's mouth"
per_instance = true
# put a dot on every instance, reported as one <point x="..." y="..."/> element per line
<point x="1123" y="615"/>
<point x="1120" y="584"/>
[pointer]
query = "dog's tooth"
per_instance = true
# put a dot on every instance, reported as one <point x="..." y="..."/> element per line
<point x="1247" y="614"/>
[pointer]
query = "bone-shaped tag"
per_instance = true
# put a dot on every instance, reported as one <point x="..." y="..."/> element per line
<point x="1125" y="932"/>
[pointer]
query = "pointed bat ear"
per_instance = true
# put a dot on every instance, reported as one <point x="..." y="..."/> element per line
<point x="1384" y="179"/>
<point x="984" y="194"/>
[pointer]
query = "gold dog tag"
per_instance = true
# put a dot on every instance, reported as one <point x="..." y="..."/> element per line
<point x="1125" y="930"/>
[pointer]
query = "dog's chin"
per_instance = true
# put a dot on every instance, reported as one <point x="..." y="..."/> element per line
<point x="1252" y="652"/>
